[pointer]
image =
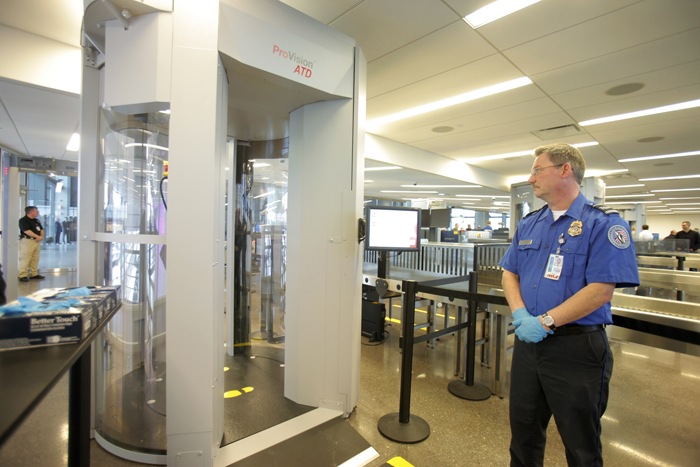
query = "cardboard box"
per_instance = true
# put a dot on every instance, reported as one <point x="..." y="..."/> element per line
<point x="34" y="329"/>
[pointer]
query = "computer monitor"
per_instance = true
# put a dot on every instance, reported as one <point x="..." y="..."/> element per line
<point x="393" y="228"/>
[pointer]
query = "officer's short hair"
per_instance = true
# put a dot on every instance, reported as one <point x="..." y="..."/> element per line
<point x="29" y="209"/>
<point x="686" y="222"/>
<point x="562" y="153"/>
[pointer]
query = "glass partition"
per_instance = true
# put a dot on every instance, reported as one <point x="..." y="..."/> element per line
<point x="130" y="399"/>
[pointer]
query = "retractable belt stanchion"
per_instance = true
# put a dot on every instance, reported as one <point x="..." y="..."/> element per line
<point x="403" y="427"/>
<point x="467" y="388"/>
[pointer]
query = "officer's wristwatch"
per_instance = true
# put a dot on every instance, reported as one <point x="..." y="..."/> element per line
<point x="548" y="321"/>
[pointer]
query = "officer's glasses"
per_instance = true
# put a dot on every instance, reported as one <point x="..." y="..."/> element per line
<point x="539" y="170"/>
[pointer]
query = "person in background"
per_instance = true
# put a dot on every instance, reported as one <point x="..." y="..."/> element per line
<point x="66" y="231"/>
<point x="645" y="235"/>
<point x="672" y="236"/>
<point x="457" y="227"/>
<point x="488" y="226"/>
<point x="559" y="275"/>
<point x="57" y="230"/>
<point x="31" y="233"/>
<point x="3" y="300"/>
<point x="690" y="235"/>
<point x="469" y="226"/>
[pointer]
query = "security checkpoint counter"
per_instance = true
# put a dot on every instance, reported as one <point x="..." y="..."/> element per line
<point x="492" y="317"/>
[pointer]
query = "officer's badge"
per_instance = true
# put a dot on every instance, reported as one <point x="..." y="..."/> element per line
<point x="575" y="228"/>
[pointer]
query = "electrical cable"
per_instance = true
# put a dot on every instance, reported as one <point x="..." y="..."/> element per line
<point x="161" y="192"/>
<point x="380" y="342"/>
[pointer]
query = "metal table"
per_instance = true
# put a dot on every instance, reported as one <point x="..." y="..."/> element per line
<point x="27" y="375"/>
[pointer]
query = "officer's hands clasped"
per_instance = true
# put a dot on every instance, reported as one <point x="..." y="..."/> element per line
<point x="529" y="329"/>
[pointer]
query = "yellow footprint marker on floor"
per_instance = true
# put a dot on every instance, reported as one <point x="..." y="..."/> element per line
<point x="399" y="462"/>
<point x="235" y="393"/>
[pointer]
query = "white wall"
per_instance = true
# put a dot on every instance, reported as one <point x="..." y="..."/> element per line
<point x="663" y="224"/>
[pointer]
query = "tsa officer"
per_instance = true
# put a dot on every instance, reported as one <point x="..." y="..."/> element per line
<point x="559" y="275"/>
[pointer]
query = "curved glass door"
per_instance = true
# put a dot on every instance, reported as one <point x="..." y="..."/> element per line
<point x="130" y="375"/>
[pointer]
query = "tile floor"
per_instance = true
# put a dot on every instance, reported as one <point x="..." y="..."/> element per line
<point x="652" y="419"/>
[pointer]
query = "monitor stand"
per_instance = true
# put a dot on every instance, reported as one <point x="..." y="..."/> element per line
<point x="383" y="265"/>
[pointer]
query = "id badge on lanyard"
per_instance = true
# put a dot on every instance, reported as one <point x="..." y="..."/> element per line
<point x="556" y="262"/>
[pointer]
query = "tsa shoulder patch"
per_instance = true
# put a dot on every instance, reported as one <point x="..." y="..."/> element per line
<point x="619" y="237"/>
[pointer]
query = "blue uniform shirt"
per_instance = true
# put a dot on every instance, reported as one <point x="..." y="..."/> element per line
<point x="597" y="248"/>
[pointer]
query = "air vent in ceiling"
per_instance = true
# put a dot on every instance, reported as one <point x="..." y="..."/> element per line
<point x="558" y="132"/>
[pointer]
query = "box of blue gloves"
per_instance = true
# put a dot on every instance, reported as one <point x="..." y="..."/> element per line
<point x="55" y="316"/>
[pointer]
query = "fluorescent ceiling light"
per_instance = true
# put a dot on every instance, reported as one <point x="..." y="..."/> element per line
<point x="685" y="209"/>
<point x="624" y="186"/>
<point x="74" y="142"/>
<point x="676" y="189"/>
<point x="644" y="113"/>
<point x="442" y="186"/>
<point x="634" y="202"/>
<point x="602" y="173"/>
<point x="529" y="152"/>
<point x="687" y="197"/>
<point x="406" y="191"/>
<point x="629" y="196"/>
<point x="669" y="178"/>
<point x="496" y="10"/>
<point x="260" y="164"/>
<point x="373" y="169"/>
<point x="682" y="204"/>
<point x="450" y="101"/>
<point x="485" y="196"/>
<point x="665" y="156"/>
<point x="369" y="181"/>
<point x="145" y="145"/>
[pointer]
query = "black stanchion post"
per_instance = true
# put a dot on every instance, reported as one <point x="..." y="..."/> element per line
<point x="403" y="427"/>
<point x="467" y="388"/>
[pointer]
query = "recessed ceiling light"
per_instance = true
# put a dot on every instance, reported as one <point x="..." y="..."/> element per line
<point x="623" y="186"/>
<point x="651" y="139"/>
<point x="442" y="129"/>
<point x="623" y="89"/>
<point x="644" y="113"/>
<point x="675" y="189"/>
<point x="450" y="101"/>
<point x="665" y="156"/>
<point x="406" y="191"/>
<point x="496" y="10"/>
<point x="442" y="186"/>
<point x="373" y="169"/>
<point x="528" y="152"/>
<point x="669" y="178"/>
<point x="74" y="142"/>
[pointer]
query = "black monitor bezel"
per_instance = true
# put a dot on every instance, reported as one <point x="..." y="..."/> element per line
<point x="392" y="208"/>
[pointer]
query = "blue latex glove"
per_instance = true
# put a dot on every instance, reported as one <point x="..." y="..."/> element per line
<point x="529" y="329"/>
<point x="521" y="313"/>
<point x="77" y="292"/>
<point x="27" y="305"/>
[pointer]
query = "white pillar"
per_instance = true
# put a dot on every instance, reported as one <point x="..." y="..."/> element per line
<point x="323" y="255"/>
<point x="195" y="237"/>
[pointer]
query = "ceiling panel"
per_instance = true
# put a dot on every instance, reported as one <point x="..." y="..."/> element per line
<point x="628" y="27"/>
<point x="486" y="72"/>
<point x="445" y="49"/>
<point x="655" y="55"/>
<point x="381" y="26"/>
<point x="59" y="20"/>
<point x="548" y="16"/>
<point x="324" y="12"/>
<point x="668" y="78"/>
<point x="500" y="115"/>
<point x="45" y="119"/>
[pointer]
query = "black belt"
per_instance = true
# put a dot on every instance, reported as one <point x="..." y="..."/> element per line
<point x="573" y="329"/>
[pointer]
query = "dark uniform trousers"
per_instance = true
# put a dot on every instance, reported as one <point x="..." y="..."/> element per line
<point x="566" y="376"/>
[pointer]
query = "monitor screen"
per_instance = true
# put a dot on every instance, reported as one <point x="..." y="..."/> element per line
<point x="393" y="228"/>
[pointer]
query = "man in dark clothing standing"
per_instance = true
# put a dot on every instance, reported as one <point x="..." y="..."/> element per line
<point x="690" y="235"/>
<point x="57" y="230"/>
<point x="31" y="233"/>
